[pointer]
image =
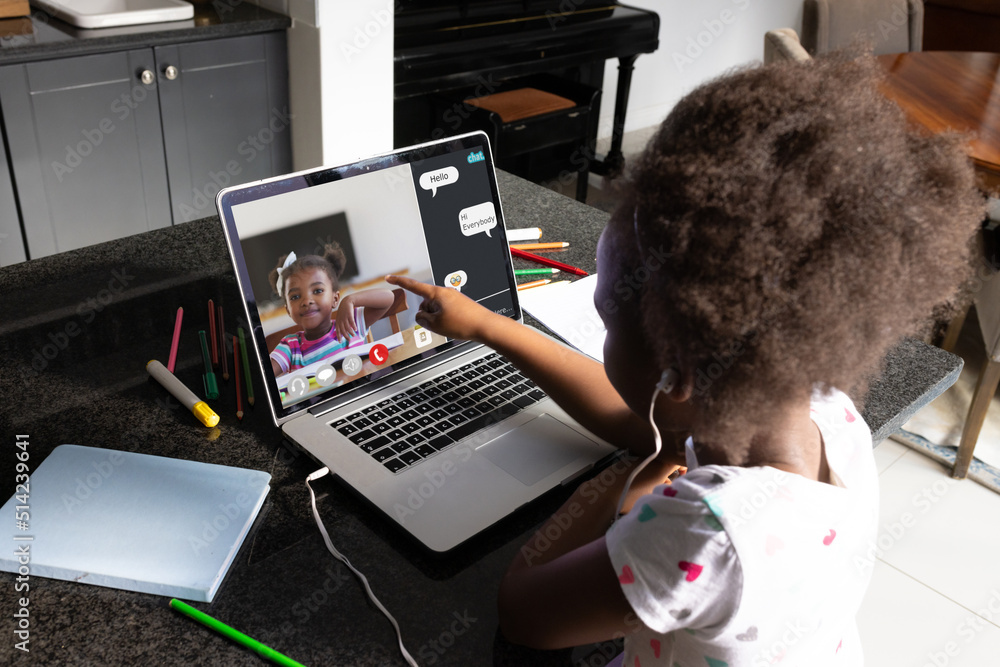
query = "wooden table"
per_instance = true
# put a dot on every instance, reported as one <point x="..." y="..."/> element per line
<point x="952" y="90"/>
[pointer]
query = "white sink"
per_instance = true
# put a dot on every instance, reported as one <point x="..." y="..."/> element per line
<point x="109" y="13"/>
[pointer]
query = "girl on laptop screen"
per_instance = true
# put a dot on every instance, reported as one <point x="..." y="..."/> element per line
<point x="781" y="231"/>
<point x="310" y="287"/>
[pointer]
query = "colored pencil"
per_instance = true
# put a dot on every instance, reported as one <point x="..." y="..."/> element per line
<point x="211" y="332"/>
<point x="555" y="245"/>
<point x="527" y="234"/>
<point x="545" y="261"/>
<point x="223" y="358"/>
<point x="208" y="379"/>
<point x="236" y="373"/>
<point x="535" y="272"/>
<point x="533" y="283"/>
<point x="176" y="341"/>
<point x="246" y="366"/>
<point x="226" y="631"/>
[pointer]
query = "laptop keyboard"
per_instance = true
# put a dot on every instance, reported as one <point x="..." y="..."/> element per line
<point x="413" y="425"/>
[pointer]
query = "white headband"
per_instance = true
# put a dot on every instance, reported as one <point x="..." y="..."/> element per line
<point x="281" y="277"/>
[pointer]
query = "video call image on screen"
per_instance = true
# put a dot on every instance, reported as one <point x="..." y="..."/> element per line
<point x="433" y="221"/>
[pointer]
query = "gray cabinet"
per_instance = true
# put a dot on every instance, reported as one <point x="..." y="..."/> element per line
<point x="225" y="117"/>
<point x="109" y="145"/>
<point x="86" y="149"/>
<point x="11" y="242"/>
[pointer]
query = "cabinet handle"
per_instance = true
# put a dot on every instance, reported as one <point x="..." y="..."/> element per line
<point x="146" y="77"/>
<point x="171" y="72"/>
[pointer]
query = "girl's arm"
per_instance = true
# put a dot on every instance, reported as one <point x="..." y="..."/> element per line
<point x="576" y="382"/>
<point x="276" y="368"/>
<point x="374" y="301"/>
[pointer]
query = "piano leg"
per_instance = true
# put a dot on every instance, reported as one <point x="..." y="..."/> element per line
<point x="614" y="161"/>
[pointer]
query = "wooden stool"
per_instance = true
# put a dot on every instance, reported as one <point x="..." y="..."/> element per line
<point x="535" y="113"/>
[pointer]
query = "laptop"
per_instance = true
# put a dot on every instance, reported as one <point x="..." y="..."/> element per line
<point x="445" y="437"/>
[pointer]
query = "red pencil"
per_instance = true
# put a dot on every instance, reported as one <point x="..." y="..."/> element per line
<point x="236" y="369"/>
<point x="222" y="343"/>
<point x="212" y="335"/>
<point x="177" y="339"/>
<point x="545" y="261"/>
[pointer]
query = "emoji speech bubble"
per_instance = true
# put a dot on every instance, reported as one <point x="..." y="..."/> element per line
<point x="456" y="280"/>
<point x="478" y="218"/>
<point x="432" y="180"/>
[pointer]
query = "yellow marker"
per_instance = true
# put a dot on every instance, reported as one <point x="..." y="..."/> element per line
<point x="177" y="389"/>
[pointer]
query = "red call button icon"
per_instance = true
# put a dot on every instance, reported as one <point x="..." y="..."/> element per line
<point x="379" y="354"/>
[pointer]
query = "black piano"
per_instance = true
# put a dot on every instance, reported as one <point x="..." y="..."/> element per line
<point x="468" y="46"/>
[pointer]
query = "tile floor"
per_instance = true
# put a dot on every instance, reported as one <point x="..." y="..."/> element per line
<point x="935" y="592"/>
<point x="934" y="600"/>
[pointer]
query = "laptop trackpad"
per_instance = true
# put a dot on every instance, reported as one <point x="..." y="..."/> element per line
<point x="536" y="449"/>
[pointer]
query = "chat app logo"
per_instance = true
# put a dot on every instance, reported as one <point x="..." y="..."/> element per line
<point x="478" y="218"/>
<point x="297" y="387"/>
<point x="352" y="365"/>
<point x="432" y="180"/>
<point x="456" y="280"/>
<point x="475" y="156"/>
<point x="325" y="375"/>
<point x="421" y="337"/>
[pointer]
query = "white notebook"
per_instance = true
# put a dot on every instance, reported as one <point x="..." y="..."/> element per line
<point x="569" y="311"/>
<point x="133" y="521"/>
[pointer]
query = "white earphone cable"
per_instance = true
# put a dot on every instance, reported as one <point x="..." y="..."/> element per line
<point x="665" y="385"/>
<point x="343" y="559"/>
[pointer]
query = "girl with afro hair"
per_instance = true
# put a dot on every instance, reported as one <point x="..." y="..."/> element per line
<point x="783" y="229"/>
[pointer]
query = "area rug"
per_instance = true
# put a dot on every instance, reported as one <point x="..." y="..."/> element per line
<point x="936" y="430"/>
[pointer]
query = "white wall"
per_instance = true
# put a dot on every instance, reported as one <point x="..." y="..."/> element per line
<point x="698" y="42"/>
<point x="340" y="77"/>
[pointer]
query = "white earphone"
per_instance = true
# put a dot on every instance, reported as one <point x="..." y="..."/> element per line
<point x="668" y="380"/>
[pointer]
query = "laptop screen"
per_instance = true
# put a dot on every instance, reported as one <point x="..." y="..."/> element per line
<point x="311" y="252"/>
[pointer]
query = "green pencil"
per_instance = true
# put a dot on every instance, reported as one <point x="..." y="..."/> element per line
<point x="535" y="272"/>
<point x="235" y="635"/>
<point x="246" y="366"/>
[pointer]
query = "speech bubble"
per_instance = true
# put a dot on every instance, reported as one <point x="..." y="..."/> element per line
<point x="432" y="180"/>
<point x="478" y="218"/>
<point x="456" y="280"/>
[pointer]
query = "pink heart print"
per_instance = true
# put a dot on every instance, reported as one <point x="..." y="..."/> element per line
<point x="850" y="418"/>
<point x="692" y="569"/>
<point x="626" y="577"/>
<point x="670" y="492"/>
<point x="655" y="643"/>
<point x="828" y="540"/>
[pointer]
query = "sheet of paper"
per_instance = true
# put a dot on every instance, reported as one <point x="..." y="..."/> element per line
<point x="568" y="310"/>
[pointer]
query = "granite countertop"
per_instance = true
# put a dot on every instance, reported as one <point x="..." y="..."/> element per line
<point x="41" y="36"/>
<point x="76" y="330"/>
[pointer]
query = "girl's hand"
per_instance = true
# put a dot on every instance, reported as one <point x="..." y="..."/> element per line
<point x="446" y="311"/>
<point x="346" y="326"/>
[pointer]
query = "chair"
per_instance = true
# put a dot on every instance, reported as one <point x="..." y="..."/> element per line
<point x="783" y="44"/>
<point x="398" y="306"/>
<point x="526" y="117"/>
<point x="895" y="26"/>
<point x="987" y="304"/>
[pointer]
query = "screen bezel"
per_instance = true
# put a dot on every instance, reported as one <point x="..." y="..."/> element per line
<point x="411" y="155"/>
